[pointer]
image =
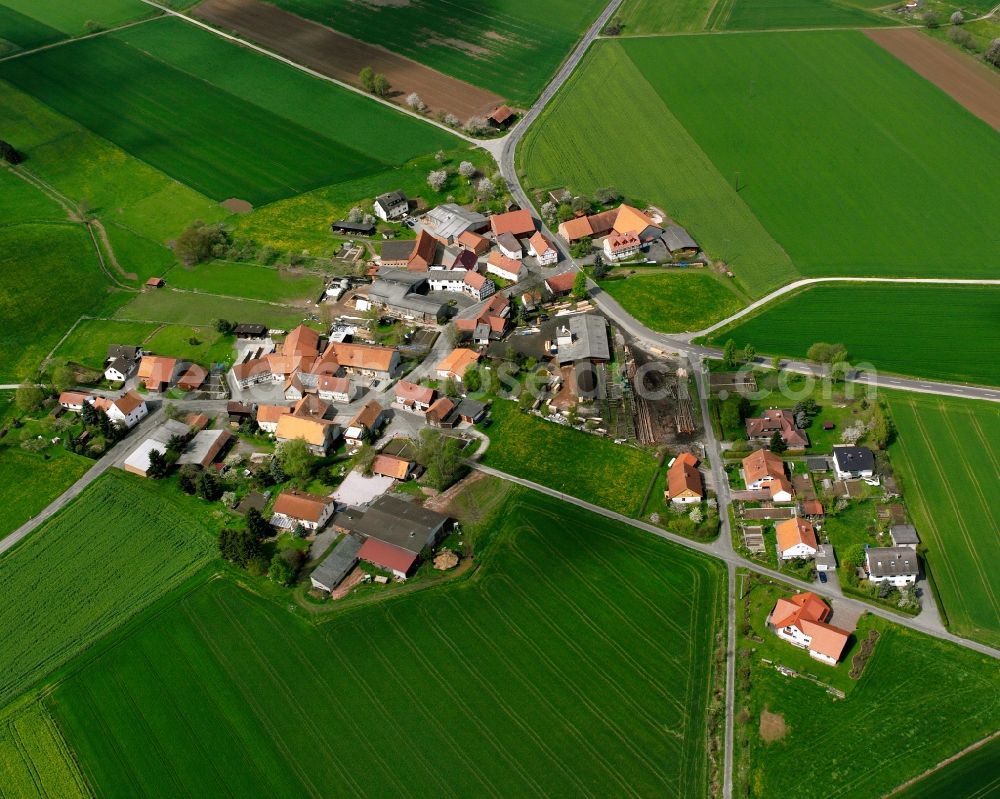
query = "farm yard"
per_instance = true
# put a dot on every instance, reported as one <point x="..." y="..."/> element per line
<point x="580" y="464"/>
<point x="842" y="195"/>
<point x="653" y="159"/>
<point x="446" y="691"/>
<point x="946" y="456"/>
<point x="119" y="546"/>
<point x="34" y="758"/>
<point x="885" y="320"/>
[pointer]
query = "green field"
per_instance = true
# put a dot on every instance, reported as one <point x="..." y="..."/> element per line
<point x="655" y="16"/>
<point x="51" y="273"/>
<point x="22" y="202"/>
<point x="20" y="32"/>
<point x="885" y="718"/>
<point x="118" y="547"/>
<point x="511" y="47"/>
<point x="30" y="481"/>
<point x="646" y="152"/>
<point x="88" y="343"/>
<point x="842" y="194"/>
<point x="768" y="14"/>
<point x="80" y="16"/>
<point x="198" y="126"/>
<point x="885" y="321"/>
<point x="576" y="663"/>
<point x="246" y="280"/>
<point x="975" y="775"/>
<point x="34" y="758"/>
<point x="946" y="455"/>
<point x="577" y="463"/>
<point x="675" y="301"/>
<point x="187" y="308"/>
<point x="203" y="345"/>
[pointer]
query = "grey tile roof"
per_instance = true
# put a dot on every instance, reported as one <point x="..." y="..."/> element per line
<point x="338" y="564"/>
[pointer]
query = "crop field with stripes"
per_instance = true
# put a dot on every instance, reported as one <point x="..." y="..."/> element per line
<point x="574" y="662"/>
<point x="34" y="758"/>
<point x="947" y="453"/>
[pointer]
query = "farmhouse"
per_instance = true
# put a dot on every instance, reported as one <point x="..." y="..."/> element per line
<point x="307" y="421"/>
<point x="205" y="447"/>
<point x="121" y="362"/>
<point x="449" y="221"/>
<point x="684" y="484"/>
<point x="541" y="248"/>
<point x="455" y="363"/>
<point x="268" y="416"/>
<point x="500" y="265"/>
<point x="365" y="422"/>
<point x="761" y="467"/>
<point x="411" y="397"/>
<point x="367" y="359"/>
<point x="518" y="224"/>
<point x="897" y="566"/>
<point x="337" y="565"/>
<point x="619" y="246"/>
<point x="128" y="409"/>
<point x="391" y="205"/>
<point x="801" y="621"/>
<point x="391" y="466"/>
<point x="335" y="389"/>
<point x="622" y="220"/>
<point x="297" y="508"/>
<point x="796" y="539"/>
<point x="157" y="372"/>
<point x="777" y="420"/>
<point x="398" y="292"/>
<point x="853" y="462"/>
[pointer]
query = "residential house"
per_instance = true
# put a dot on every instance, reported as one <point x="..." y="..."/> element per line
<point x="391" y="466"/>
<point x="448" y="222"/>
<point x="121" y="362"/>
<point x="478" y="286"/>
<point x="510" y="246"/>
<point x="73" y="400"/>
<point x="500" y="118"/>
<point x="295" y="508"/>
<point x="620" y="246"/>
<point x="367" y="359"/>
<point x="541" y="248"/>
<point x="500" y="265"/>
<point x="796" y="538"/>
<point x="684" y="484"/>
<point x="268" y="416"/>
<point x="307" y="420"/>
<point x="337" y="565"/>
<point x="128" y="409"/>
<point x="777" y="420"/>
<point x="443" y="413"/>
<point x="802" y="621"/>
<point x="365" y="422"/>
<point x="761" y="467"/>
<point x="412" y="397"/>
<point x="204" y="449"/>
<point x="335" y="389"/>
<point x="559" y="285"/>
<point x="455" y="363"/>
<point x="518" y="223"/>
<point x="631" y="220"/>
<point x="853" y="462"/>
<point x="897" y="566"/>
<point x="904" y="535"/>
<point x="157" y="372"/>
<point x="391" y="205"/>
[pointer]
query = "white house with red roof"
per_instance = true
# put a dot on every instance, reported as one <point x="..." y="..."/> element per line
<point x="801" y="621"/>
<point x="543" y="251"/>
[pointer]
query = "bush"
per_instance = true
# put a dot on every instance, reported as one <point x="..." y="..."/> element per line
<point x="200" y="242"/>
<point x="9" y="154"/>
<point x="930" y="19"/>
<point x="992" y="54"/>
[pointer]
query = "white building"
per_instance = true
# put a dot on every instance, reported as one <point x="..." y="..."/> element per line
<point x="852" y="463"/>
<point x="510" y="246"/>
<point x="309" y="511"/>
<point x="619" y="246"/>
<point x="391" y="205"/>
<point x="897" y="566"/>
<point x="542" y="250"/>
<point x="796" y="538"/>
<point x="128" y="409"/>
<point x="500" y="265"/>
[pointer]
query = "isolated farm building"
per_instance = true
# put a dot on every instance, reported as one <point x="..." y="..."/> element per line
<point x="413" y="397"/>
<point x="424" y="254"/>
<point x="517" y="223"/>
<point x="619" y="246"/>
<point x="128" y="409"/>
<point x="238" y="412"/>
<point x="250" y="330"/>
<point x="73" y="400"/>
<point x="679" y="242"/>
<point x="335" y="389"/>
<point x="268" y="416"/>
<point x="684" y="483"/>
<point x="455" y="363"/>
<point x="391" y="205"/>
<point x="777" y="420"/>
<point x="337" y="565"/>
<point x="474" y="242"/>
<point x="796" y="538"/>
<point x="904" y="535"/>
<point x="205" y="448"/>
<point x="507" y="268"/>
<point x="365" y="422"/>
<point x="295" y="508"/>
<point x="801" y="620"/>
<point x="510" y="246"/>
<point x="558" y="285"/>
<point x="121" y="362"/>
<point x="449" y="221"/>
<point x="501" y="118"/>
<point x="369" y="360"/>
<point x="853" y="462"/>
<point x="391" y="466"/>
<point x="443" y="413"/>
<point x="897" y="566"/>
<point x="156" y="282"/>
<point x="541" y="249"/>
<point x="157" y="372"/>
<point x="352" y="228"/>
<point x="761" y="467"/>
<point x="584" y="337"/>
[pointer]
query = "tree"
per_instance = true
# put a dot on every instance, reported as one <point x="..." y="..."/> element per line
<point x="177" y="444"/>
<point x="224" y="326"/>
<point x="826" y="353"/>
<point x="257" y="524"/>
<point x="28" y="398"/>
<point x="88" y="414"/>
<point x="380" y="85"/>
<point x="238" y="546"/>
<point x="609" y="194"/>
<point x="285" y="566"/>
<point x="452" y="121"/>
<point x="355" y="215"/>
<point x="853" y="555"/>
<point x="962" y="38"/>
<point x="957" y="18"/>
<point x="158" y="465"/>
<point x="187" y="478"/>
<point x="548" y="211"/>
<point x="776" y="363"/>
<point x="9" y="154"/>
<point x="931" y="19"/>
<point x="734" y="411"/>
<point x="472" y="379"/>
<point x="200" y="242"/>
<point x="581" y="248"/>
<point x="749" y="353"/>
<point x="467" y="169"/>
<point x="600" y="267"/>
<point x="449" y="389"/>
<point x="275" y="471"/>
<point x="477" y="125"/>
<point x="437" y="178"/>
<point x="883" y="430"/>
<point x="485" y="188"/>
<point x="580" y="286"/>
<point x="63" y="377"/>
<point x="441" y="457"/>
<point x="992" y="54"/>
<point x="209" y="485"/>
<point x="580" y="205"/>
<point x="367" y="78"/>
<point x="413" y="100"/>
<point x="777" y="443"/>
<point x="296" y="459"/>
<point x="729" y="357"/>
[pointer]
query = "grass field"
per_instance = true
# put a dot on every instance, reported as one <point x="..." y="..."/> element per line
<point x="946" y="454"/>
<point x="246" y="280"/>
<point x="21" y="32"/>
<point x="187" y="308"/>
<point x="50" y="272"/>
<point x="574" y="664"/>
<point x="88" y="343"/>
<point x="80" y="16"/>
<point x="30" y="481"/>
<point x="966" y="318"/>
<point x="655" y="16"/>
<point x="975" y="775"/>
<point x="646" y="152"/>
<point x="884" y="717"/>
<point x="119" y="546"/>
<point x="577" y="463"/>
<point x="511" y="47"/>
<point x="199" y="127"/>
<point x="204" y="345"/>
<point x="675" y="301"/>
<point x="840" y="195"/>
<point x="22" y="202"/>
<point x="139" y="255"/>
<point x="768" y="14"/>
<point x="34" y="758"/>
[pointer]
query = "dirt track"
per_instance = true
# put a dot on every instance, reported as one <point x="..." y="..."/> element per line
<point x="342" y="57"/>
<point x="970" y="84"/>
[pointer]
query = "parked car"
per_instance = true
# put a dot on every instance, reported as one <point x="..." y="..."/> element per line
<point x="822" y="577"/>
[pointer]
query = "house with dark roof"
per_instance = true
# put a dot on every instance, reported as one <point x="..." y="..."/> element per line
<point x="338" y="564"/>
<point x="904" y="535"/>
<point x="678" y="241"/>
<point x="897" y="566"/>
<point x="852" y="463"/>
<point x="352" y="228"/>
<point x="777" y="420"/>
<point x="121" y="363"/>
<point x="391" y="205"/>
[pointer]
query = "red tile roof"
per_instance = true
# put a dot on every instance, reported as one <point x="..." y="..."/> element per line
<point x="519" y="223"/>
<point x="387" y="556"/>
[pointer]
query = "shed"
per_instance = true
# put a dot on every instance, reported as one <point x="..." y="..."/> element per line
<point x="338" y="564"/>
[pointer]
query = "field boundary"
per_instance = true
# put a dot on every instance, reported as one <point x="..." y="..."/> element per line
<point x="946" y="762"/>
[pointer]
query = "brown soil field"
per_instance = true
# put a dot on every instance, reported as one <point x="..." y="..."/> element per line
<point x="237" y="206"/>
<point x="972" y="85"/>
<point x="342" y="57"/>
<point x="772" y="726"/>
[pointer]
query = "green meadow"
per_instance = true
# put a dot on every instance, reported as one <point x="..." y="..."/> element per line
<point x="768" y="14"/>
<point x="78" y="17"/>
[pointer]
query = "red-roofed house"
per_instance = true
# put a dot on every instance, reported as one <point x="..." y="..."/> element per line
<point x="412" y="397"/>
<point x="801" y="621"/>
<point x="560" y="284"/>
<point x="542" y="250"/>
<point x="391" y="466"/>
<point x="386" y="556"/>
<point x="501" y="117"/>
<point x="796" y="539"/>
<point x="517" y="223"/>
<point x="684" y="480"/>
<point x="424" y="252"/>
<point x="73" y="400"/>
<point x="619" y="246"/>
<point x="502" y="266"/>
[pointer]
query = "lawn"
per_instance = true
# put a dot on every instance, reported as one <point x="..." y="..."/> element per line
<point x="30" y="481"/>
<point x="119" y="546"/>
<point x="646" y="152"/>
<point x="973" y="776"/>
<point x="596" y="469"/>
<point x="80" y="16"/>
<point x="946" y="455"/>
<point x="247" y="280"/>
<point x="88" y="343"/>
<point x="577" y="662"/>
<point x="139" y="255"/>
<point x="51" y="273"/>
<point x="966" y="318"/>
<point x="187" y="308"/>
<point x="884" y="718"/>
<point x="676" y="301"/>
<point x="34" y="757"/>
<point x="203" y="345"/>
<point x="768" y="14"/>
<point x="512" y="47"/>
<point x="843" y="181"/>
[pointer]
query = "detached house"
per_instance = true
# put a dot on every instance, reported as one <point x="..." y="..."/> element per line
<point x="456" y="363"/>
<point x="761" y="467"/>
<point x="620" y="246"/>
<point x="307" y="420"/>
<point x="541" y="248"/>
<point x="853" y="462"/>
<point x="777" y="420"/>
<point x="128" y="409"/>
<point x="298" y="508"/>
<point x="391" y="466"/>
<point x="500" y="265"/>
<point x="796" y="539"/>
<point x="412" y="397"/>
<point x="73" y="400"/>
<point x="684" y="483"/>
<point x="391" y="205"/>
<point x="121" y="362"/>
<point x="801" y="620"/>
<point x="365" y="422"/>
<point x="897" y="566"/>
<point x="510" y="246"/>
